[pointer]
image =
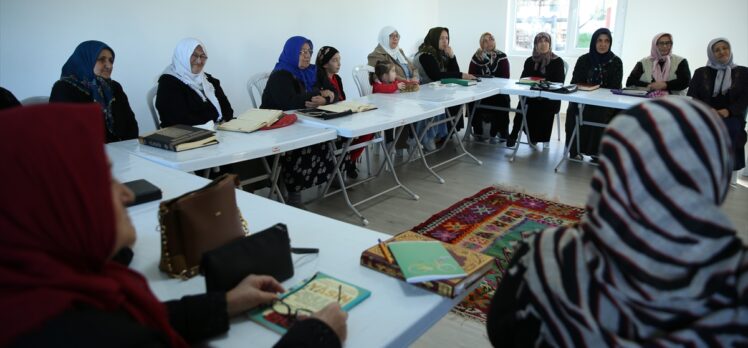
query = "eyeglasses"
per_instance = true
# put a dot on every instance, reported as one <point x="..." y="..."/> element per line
<point x="394" y="36"/>
<point x="305" y="52"/>
<point x="284" y="309"/>
<point x="201" y="57"/>
<point x="665" y="43"/>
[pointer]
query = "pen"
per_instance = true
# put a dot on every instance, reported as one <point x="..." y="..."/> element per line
<point x="385" y="251"/>
<point x="340" y="289"/>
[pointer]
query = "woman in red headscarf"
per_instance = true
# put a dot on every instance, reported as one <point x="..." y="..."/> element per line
<point x="58" y="283"/>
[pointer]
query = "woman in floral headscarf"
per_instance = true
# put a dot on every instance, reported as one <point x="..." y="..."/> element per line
<point x="661" y="70"/>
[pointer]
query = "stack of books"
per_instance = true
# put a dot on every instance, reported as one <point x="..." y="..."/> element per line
<point x="179" y="138"/>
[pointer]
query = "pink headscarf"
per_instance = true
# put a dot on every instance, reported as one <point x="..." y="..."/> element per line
<point x="659" y="74"/>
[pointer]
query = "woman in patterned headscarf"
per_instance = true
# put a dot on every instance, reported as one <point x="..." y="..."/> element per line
<point x="540" y="111"/>
<point x="724" y="86"/>
<point x="661" y="70"/>
<point x="87" y="78"/>
<point x="489" y="61"/>
<point x="654" y="262"/>
<point x="600" y="66"/>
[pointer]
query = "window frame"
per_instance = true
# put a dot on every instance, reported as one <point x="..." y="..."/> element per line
<point x="571" y="50"/>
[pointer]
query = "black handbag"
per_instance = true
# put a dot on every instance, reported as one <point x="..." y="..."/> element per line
<point x="267" y="252"/>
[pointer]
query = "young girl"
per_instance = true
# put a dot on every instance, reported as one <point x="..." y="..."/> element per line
<point x="384" y="79"/>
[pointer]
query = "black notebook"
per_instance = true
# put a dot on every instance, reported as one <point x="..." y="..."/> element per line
<point x="323" y="114"/>
<point x="144" y="191"/>
<point x="179" y="138"/>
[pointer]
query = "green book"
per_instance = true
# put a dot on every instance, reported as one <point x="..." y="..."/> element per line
<point x="425" y="261"/>
<point x="461" y="82"/>
<point x="306" y="298"/>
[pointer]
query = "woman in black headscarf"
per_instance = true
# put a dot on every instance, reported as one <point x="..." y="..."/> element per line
<point x="598" y="67"/>
<point x="540" y="111"/>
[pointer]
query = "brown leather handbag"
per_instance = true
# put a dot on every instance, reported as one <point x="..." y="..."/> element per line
<point x="196" y="222"/>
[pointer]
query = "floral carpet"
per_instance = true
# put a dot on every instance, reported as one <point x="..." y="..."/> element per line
<point x="493" y="221"/>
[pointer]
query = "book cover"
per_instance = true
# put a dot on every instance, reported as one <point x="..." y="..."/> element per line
<point x="461" y="82"/>
<point x="530" y="80"/>
<point x="347" y="105"/>
<point x="310" y="296"/>
<point x="474" y="264"/>
<point x="252" y="120"/>
<point x="587" y="86"/>
<point x="634" y="92"/>
<point x="179" y="138"/>
<point x="425" y="261"/>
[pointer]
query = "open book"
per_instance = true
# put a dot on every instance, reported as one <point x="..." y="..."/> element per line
<point x="306" y="298"/>
<point x="179" y="138"/>
<point x="530" y="80"/>
<point x="252" y="120"/>
<point x="587" y="86"/>
<point x="347" y="106"/>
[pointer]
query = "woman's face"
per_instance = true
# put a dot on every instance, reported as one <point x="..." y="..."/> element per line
<point x="104" y="64"/>
<point x="198" y="60"/>
<point x="305" y="56"/>
<point x="394" y="40"/>
<point x="125" y="232"/>
<point x="602" y="45"/>
<point x="333" y="66"/>
<point x="721" y="51"/>
<point x="543" y="45"/>
<point x="443" y="40"/>
<point x="664" y="44"/>
<point x="489" y="44"/>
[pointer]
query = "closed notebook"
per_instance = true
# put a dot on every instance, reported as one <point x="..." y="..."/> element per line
<point x="143" y="190"/>
<point x="425" y="261"/>
<point x="530" y="80"/>
<point x="308" y="297"/>
<point x="474" y="263"/>
<point x="461" y="82"/>
<point x="587" y="86"/>
<point x="347" y="106"/>
<point x="252" y="120"/>
<point x="179" y="138"/>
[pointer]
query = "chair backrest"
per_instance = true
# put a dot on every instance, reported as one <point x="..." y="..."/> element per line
<point x="150" y="98"/>
<point x="256" y="84"/>
<point x="41" y="99"/>
<point x="361" y="78"/>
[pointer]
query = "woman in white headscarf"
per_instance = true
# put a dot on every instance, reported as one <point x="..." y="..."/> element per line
<point x="388" y="50"/>
<point x="186" y="94"/>
<point x="654" y="262"/>
<point x="724" y="86"/>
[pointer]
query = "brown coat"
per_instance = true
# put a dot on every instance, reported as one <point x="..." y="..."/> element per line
<point x="379" y="54"/>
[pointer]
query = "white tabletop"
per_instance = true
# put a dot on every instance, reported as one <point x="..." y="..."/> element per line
<point x="390" y="113"/>
<point x="450" y="94"/>
<point x="395" y="315"/>
<point x="599" y="97"/>
<point x="511" y="87"/>
<point x="232" y="147"/>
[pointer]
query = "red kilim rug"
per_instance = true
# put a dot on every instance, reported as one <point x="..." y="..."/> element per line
<point x="493" y="221"/>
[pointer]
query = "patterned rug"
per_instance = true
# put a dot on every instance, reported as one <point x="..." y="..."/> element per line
<point x="493" y="221"/>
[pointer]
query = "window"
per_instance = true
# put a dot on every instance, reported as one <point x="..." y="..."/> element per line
<point x="569" y="22"/>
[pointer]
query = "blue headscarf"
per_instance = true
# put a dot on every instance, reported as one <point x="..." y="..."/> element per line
<point x="78" y="71"/>
<point x="598" y="58"/>
<point x="289" y="61"/>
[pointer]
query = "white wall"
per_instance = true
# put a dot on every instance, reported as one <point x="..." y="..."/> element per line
<point x="242" y="38"/>
<point x="245" y="37"/>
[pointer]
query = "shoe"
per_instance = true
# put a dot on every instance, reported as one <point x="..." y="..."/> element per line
<point x="577" y="157"/>
<point x="494" y="140"/>
<point x="294" y="200"/>
<point x="350" y="170"/>
<point x="478" y="138"/>
<point x="430" y="145"/>
<point x="511" y="141"/>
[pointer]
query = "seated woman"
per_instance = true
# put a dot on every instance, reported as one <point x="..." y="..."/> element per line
<point x="187" y="94"/>
<point x="488" y="61"/>
<point x="69" y="291"/>
<point x="291" y="86"/>
<point x="436" y="60"/>
<point x="328" y="66"/>
<point x="654" y="262"/>
<point x="388" y="50"/>
<point x="87" y="78"/>
<point x="540" y="111"/>
<point x="600" y="66"/>
<point x="661" y="70"/>
<point x="724" y="86"/>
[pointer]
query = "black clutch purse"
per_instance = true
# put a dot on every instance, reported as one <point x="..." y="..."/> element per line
<point x="267" y="252"/>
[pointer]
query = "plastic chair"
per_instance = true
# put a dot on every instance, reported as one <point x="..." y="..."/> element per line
<point x="41" y="99"/>
<point x="256" y="84"/>
<point x="361" y="78"/>
<point x="150" y="99"/>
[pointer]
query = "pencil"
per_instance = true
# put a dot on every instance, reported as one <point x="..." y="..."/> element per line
<point x="385" y="251"/>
